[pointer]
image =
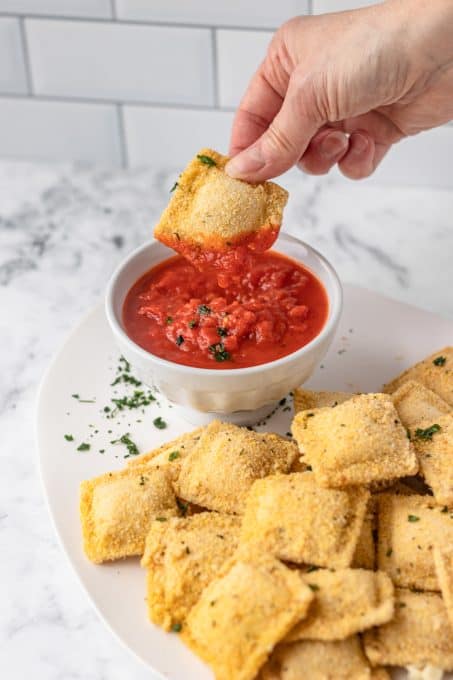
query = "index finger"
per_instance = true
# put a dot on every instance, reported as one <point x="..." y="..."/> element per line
<point x="257" y="110"/>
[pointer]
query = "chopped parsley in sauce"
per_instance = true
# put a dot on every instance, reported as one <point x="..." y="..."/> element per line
<point x="262" y="311"/>
<point x="440" y="361"/>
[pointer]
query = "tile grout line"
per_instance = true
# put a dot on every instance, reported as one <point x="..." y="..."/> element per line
<point x="26" y="55"/>
<point x="215" y="68"/>
<point x="113" y="10"/>
<point x="123" y="139"/>
<point x="136" y="22"/>
<point x="310" y="6"/>
<point x="116" y="102"/>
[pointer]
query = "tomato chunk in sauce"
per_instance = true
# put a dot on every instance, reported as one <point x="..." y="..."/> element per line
<point x="271" y="309"/>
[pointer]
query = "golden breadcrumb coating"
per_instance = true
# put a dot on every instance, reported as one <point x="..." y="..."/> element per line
<point x="416" y="403"/>
<point x="443" y="562"/>
<point x="408" y="527"/>
<point x="117" y="509"/>
<point x="357" y="442"/>
<point x="241" y="616"/>
<point x="419" y="634"/>
<point x="182" y="556"/>
<point x="318" y="660"/>
<point x="435" y="372"/>
<point x="225" y="463"/>
<point x="307" y="399"/>
<point x="347" y="601"/>
<point x="434" y="448"/>
<point x="169" y="456"/>
<point x="292" y="518"/>
<point x="211" y="210"/>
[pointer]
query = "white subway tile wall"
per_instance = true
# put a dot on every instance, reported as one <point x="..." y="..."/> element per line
<point x="149" y="81"/>
<point x="100" y="60"/>
<point x="58" y="131"/>
<point x="95" y="9"/>
<point x="321" y="6"/>
<point x="238" y="13"/>
<point x="172" y="136"/>
<point x="13" y="78"/>
<point x="239" y="53"/>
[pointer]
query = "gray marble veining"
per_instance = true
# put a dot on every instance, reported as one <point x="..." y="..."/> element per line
<point x="62" y="231"/>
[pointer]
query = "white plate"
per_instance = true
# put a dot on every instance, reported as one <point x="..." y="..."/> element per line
<point x="377" y="338"/>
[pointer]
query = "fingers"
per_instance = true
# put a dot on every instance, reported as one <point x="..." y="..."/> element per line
<point x="282" y="144"/>
<point x="370" y="137"/>
<point x="325" y="149"/>
<point x="257" y="109"/>
<point x="363" y="156"/>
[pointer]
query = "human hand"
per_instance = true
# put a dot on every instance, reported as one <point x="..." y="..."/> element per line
<point x="343" y="88"/>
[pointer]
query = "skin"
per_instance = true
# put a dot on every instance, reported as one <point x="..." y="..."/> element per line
<point x="343" y="88"/>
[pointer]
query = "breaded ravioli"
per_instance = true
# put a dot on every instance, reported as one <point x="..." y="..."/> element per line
<point x="225" y="463"/>
<point x="416" y="403"/>
<point x="306" y="399"/>
<point x="419" y="634"/>
<point x="169" y="456"/>
<point x="241" y="616"/>
<point x="443" y="562"/>
<point x="117" y="509"/>
<point x="433" y="442"/>
<point x="435" y="372"/>
<point x="358" y="442"/>
<point x="408" y="527"/>
<point x="318" y="660"/>
<point x="182" y="556"/>
<point x="211" y="214"/>
<point x="347" y="601"/>
<point x="294" y="519"/>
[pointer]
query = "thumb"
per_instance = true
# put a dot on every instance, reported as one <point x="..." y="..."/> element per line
<point x="284" y="141"/>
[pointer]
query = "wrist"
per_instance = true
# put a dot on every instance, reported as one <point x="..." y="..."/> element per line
<point x="427" y="27"/>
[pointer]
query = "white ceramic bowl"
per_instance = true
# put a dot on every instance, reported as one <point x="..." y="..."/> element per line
<point x="242" y="395"/>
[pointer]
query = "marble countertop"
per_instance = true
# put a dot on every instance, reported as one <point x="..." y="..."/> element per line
<point x="62" y="231"/>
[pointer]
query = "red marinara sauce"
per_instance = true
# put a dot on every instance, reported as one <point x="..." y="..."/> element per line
<point x="274" y="307"/>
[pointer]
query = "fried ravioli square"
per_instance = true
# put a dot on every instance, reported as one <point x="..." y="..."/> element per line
<point x="241" y="616"/>
<point x="210" y="212"/>
<point x="225" y="463"/>
<point x="435" y="372"/>
<point x="416" y="403"/>
<point x="117" y="509"/>
<point x="433" y="442"/>
<point x="295" y="520"/>
<point x="418" y="635"/>
<point x="307" y="399"/>
<point x="358" y="442"/>
<point x="443" y="561"/>
<point x="347" y="601"/>
<point x="408" y="527"/>
<point x="182" y="556"/>
<point x="170" y="456"/>
<point x="318" y="660"/>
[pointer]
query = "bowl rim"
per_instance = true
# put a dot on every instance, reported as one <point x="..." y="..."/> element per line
<point x="329" y="326"/>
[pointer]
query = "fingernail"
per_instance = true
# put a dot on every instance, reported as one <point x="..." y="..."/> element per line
<point x="333" y="145"/>
<point x="250" y="160"/>
<point x="359" y="144"/>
